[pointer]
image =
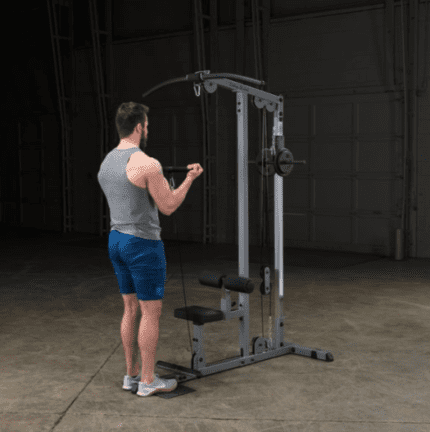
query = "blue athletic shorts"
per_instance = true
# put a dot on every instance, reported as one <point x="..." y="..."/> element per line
<point x="139" y="264"/>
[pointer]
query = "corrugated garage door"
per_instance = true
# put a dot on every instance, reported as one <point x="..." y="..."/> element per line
<point x="348" y="196"/>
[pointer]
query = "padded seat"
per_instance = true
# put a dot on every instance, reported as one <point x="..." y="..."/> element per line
<point x="199" y="314"/>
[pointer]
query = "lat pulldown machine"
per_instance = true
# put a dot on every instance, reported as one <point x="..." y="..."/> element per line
<point x="281" y="159"/>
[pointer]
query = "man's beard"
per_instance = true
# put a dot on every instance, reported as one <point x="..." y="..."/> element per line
<point x="143" y="142"/>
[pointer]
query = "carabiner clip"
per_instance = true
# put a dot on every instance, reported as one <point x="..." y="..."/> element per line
<point x="197" y="89"/>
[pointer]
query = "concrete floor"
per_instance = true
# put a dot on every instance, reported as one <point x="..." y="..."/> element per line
<point x="62" y="362"/>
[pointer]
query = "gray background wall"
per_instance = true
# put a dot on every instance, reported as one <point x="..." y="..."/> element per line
<point x="343" y="90"/>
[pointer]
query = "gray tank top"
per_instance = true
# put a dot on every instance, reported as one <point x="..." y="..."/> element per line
<point x="132" y="209"/>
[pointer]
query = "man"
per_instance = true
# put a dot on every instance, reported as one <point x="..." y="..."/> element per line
<point x="136" y="189"/>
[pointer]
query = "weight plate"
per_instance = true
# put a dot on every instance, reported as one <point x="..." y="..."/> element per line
<point x="269" y="169"/>
<point x="284" y="156"/>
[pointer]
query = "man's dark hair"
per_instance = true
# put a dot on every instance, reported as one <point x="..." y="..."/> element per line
<point x="128" y="116"/>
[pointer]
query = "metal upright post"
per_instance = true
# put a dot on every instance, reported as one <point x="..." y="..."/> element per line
<point x="243" y="213"/>
<point x="278" y="329"/>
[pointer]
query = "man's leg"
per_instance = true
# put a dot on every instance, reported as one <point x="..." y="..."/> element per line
<point x="148" y="337"/>
<point x="148" y="281"/>
<point x="129" y="333"/>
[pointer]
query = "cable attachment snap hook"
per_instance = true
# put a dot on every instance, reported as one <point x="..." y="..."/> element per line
<point x="197" y="89"/>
